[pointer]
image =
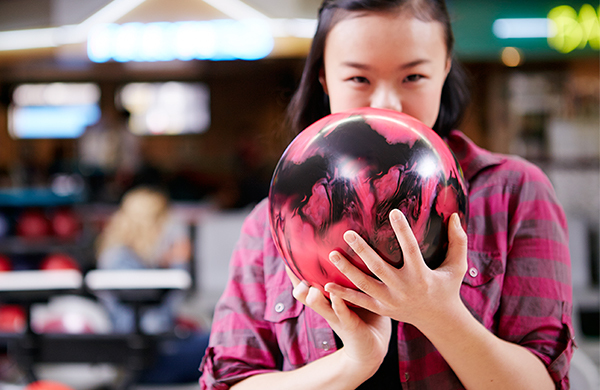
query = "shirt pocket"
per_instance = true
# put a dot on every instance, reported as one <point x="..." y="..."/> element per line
<point x="481" y="290"/>
<point x="281" y="306"/>
<point x="483" y="267"/>
<point x="284" y="312"/>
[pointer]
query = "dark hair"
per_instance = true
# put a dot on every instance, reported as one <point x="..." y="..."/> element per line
<point x="310" y="103"/>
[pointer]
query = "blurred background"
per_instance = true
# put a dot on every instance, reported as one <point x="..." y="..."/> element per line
<point x="98" y="97"/>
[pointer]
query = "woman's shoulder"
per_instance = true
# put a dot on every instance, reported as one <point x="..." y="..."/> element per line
<point x="515" y="173"/>
<point x="256" y="235"/>
<point x="256" y="222"/>
<point x="484" y="168"/>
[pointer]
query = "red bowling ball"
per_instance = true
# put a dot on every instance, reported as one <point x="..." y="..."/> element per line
<point x="47" y="385"/>
<point x="5" y="263"/>
<point x="65" y="223"/>
<point x="12" y="319"/>
<point x="33" y="224"/>
<point x="58" y="261"/>
<point x="349" y="171"/>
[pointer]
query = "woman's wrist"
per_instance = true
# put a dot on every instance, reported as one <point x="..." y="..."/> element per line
<point x="437" y="322"/>
<point x="363" y="368"/>
<point x="354" y="370"/>
<point x="336" y="371"/>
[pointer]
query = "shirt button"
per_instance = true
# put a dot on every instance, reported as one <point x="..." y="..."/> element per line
<point x="279" y="307"/>
<point x="406" y="376"/>
<point x="473" y="272"/>
<point x="325" y="345"/>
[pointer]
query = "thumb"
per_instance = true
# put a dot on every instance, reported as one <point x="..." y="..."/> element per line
<point x="456" y="257"/>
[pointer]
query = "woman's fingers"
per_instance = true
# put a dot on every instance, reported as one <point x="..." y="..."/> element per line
<point x="357" y="298"/>
<point x="379" y="267"/>
<point x="457" y="247"/>
<point x="341" y="309"/>
<point x="314" y="298"/>
<point x="300" y="291"/>
<point x="408" y="242"/>
<point x="362" y="281"/>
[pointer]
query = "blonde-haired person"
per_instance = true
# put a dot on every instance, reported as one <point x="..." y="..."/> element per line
<point x="143" y="234"/>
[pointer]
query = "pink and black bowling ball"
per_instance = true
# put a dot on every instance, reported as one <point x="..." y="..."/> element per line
<point x="58" y="261"/>
<point x="349" y="171"/>
<point x="33" y="224"/>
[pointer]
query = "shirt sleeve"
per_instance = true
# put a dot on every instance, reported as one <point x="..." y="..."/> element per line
<point x="536" y="301"/>
<point x="242" y="342"/>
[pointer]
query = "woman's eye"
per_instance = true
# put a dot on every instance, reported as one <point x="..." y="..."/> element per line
<point x="359" y="79"/>
<point x="414" y="77"/>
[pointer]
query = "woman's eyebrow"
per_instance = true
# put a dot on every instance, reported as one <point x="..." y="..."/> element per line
<point x="414" y="63"/>
<point x="359" y="65"/>
<point x="356" y="65"/>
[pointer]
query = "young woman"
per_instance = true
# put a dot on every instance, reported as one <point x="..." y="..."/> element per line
<point x="495" y="315"/>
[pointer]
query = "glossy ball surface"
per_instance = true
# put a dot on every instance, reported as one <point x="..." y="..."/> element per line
<point x="349" y="171"/>
<point x="58" y="261"/>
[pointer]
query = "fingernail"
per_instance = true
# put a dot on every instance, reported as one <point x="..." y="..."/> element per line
<point x="350" y="237"/>
<point x="456" y="221"/>
<point x="458" y="225"/>
<point x="396" y="215"/>
<point x="334" y="257"/>
<point x="302" y="286"/>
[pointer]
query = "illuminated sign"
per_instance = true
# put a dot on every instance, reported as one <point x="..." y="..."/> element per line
<point x="564" y="28"/>
<point x="56" y="110"/>
<point x="574" y="31"/>
<point x="166" y="108"/>
<point x="162" y="41"/>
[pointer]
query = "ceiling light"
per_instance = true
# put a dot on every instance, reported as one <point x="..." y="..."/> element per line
<point x="236" y="9"/>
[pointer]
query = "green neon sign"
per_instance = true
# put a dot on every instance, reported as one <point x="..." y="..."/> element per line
<point x="573" y="30"/>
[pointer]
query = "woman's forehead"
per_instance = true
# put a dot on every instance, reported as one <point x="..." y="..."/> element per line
<point x="373" y="33"/>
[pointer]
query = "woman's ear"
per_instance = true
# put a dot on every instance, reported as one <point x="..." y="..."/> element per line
<point x="448" y="65"/>
<point x="322" y="80"/>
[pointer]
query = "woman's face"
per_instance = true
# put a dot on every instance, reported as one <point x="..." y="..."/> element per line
<point x="392" y="61"/>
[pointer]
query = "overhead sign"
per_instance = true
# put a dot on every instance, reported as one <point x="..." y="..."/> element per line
<point x="162" y="41"/>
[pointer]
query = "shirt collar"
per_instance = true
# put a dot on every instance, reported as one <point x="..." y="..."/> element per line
<point x="472" y="158"/>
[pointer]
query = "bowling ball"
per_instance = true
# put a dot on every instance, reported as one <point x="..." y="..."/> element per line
<point x="47" y="385"/>
<point x="70" y="314"/>
<point x="5" y="263"/>
<point x="58" y="261"/>
<point x="65" y="223"/>
<point x="349" y="170"/>
<point x="12" y="319"/>
<point x="33" y="224"/>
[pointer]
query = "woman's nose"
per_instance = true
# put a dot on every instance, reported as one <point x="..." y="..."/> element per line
<point x="386" y="97"/>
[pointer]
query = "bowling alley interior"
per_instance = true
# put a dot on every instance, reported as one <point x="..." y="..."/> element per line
<point x="179" y="105"/>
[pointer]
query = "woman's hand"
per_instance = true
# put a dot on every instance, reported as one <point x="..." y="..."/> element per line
<point x="414" y="293"/>
<point x="365" y="334"/>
